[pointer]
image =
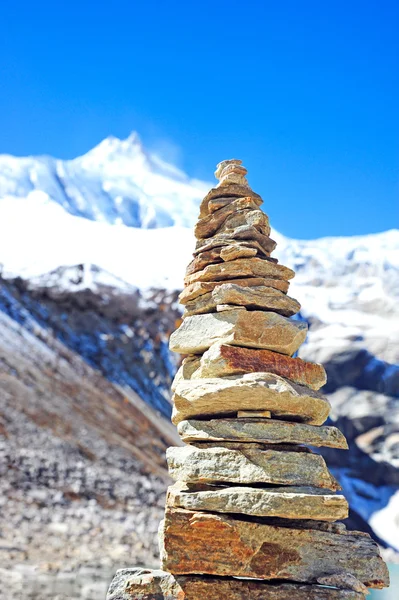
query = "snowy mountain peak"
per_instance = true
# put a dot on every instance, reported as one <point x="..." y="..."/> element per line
<point x="118" y="182"/>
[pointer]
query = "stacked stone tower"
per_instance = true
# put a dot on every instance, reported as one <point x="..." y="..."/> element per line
<point x="253" y="513"/>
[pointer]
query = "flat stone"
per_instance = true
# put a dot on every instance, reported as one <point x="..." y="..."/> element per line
<point x="250" y="414"/>
<point x="248" y="463"/>
<point x="231" y="191"/>
<point x="148" y="584"/>
<point x="242" y="267"/>
<point x="236" y="251"/>
<point x="202" y="287"/>
<point x="285" y="502"/>
<point x="221" y="360"/>
<point x="242" y="249"/>
<point x="224" y="165"/>
<point x="261" y="297"/>
<point x="268" y="431"/>
<point x="209" y="225"/>
<point x="246" y="217"/>
<point x="215" y="544"/>
<point x="255" y="329"/>
<point x="252" y="391"/>
<point x="229" y="236"/>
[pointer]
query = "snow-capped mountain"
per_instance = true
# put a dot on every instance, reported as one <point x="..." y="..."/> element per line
<point x="117" y="182"/>
<point x="94" y="250"/>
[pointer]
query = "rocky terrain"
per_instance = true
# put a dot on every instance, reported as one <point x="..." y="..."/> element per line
<point x="87" y="304"/>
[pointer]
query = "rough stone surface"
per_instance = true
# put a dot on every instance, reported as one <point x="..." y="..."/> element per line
<point x="268" y="431"/>
<point x="147" y="584"/>
<point x="235" y="251"/>
<point x="260" y="297"/>
<point x="285" y="502"/>
<point x="253" y="391"/>
<point x="203" y="287"/>
<point x="231" y="192"/>
<point x="242" y="267"/>
<point x="248" y="464"/>
<point x="255" y="329"/>
<point x="209" y="225"/>
<point x="227" y="237"/>
<point x="195" y="542"/>
<point x="221" y="360"/>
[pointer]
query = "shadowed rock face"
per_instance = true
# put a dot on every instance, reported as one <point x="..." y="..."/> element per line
<point x="146" y="584"/>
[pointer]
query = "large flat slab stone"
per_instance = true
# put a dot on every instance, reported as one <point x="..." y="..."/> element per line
<point x="267" y="431"/>
<point x="253" y="298"/>
<point x="254" y="329"/>
<point x="248" y="464"/>
<point x="242" y="267"/>
<point x="149" y="584"/>
<point x="285" y="502"/>
<point x="222" y="360"/>
<point x="252" y="391"/>
<point x="215" y="544"/>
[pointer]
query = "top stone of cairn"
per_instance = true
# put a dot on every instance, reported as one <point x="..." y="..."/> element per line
<point x="231" y="171"/>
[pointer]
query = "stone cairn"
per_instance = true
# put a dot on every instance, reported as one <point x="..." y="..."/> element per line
<point x="253" y="512"/>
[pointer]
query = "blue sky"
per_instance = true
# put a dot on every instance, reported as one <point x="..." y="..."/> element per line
<point x="306" y="93"/>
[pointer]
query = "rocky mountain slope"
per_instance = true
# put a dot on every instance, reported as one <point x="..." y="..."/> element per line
<point x="93" y="253"/>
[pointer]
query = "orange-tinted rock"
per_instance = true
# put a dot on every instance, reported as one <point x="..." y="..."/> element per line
<point x="221" y="360"/>
<point x="302" y="551"/>
<point x="242" y="267"/>
<point x="200" y="288"/>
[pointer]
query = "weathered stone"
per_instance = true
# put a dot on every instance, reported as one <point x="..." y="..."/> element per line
<point x="147" y="584"/>
<point x="252" y="391"/>
<point x="242" y="267"/>
<point x="225" y="164"/>
<point x="232" y="173"/>
<point x="248" y="463"/>
<point x="268" y="431"/>
<point x="202" y="287"/>
<point x="230" y="236"/>
<point x="242" y="249"/>
<point x="285" y="502"/>
<point x="255" y="329"/>
<point x="209" y="225"/>
<point x="197" y="542"/>
<point x="224" y="307"/>
<point x="236" y="251"/>
<point x="264" y="298"/>
<point x="231" y="191"/>
<point x="246" y="217"/>
<point x="221" y="360"/>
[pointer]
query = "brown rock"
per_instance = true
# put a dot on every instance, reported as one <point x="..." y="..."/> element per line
<point x="235" y="251"/>
<point x="285" y="502"/>
<point x="147" y="584"/>
<point x="202" y="287"/>
<point x="210" y="224"/>
<point x="242" y="249"/>
<point x="251" y="414"/>
<point x="255" y="329"/>
<point x="260" y="297"/>
<point x="196" y="542"/>
<point x="244" y="232"/>
<point x="253" y="391"/>
<point x="231" y="191"/>
<point x="221" y="360"/>
<point x="242" y="267"/>
<point x="248" y="464"/>
<point x="268" y="431"/>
